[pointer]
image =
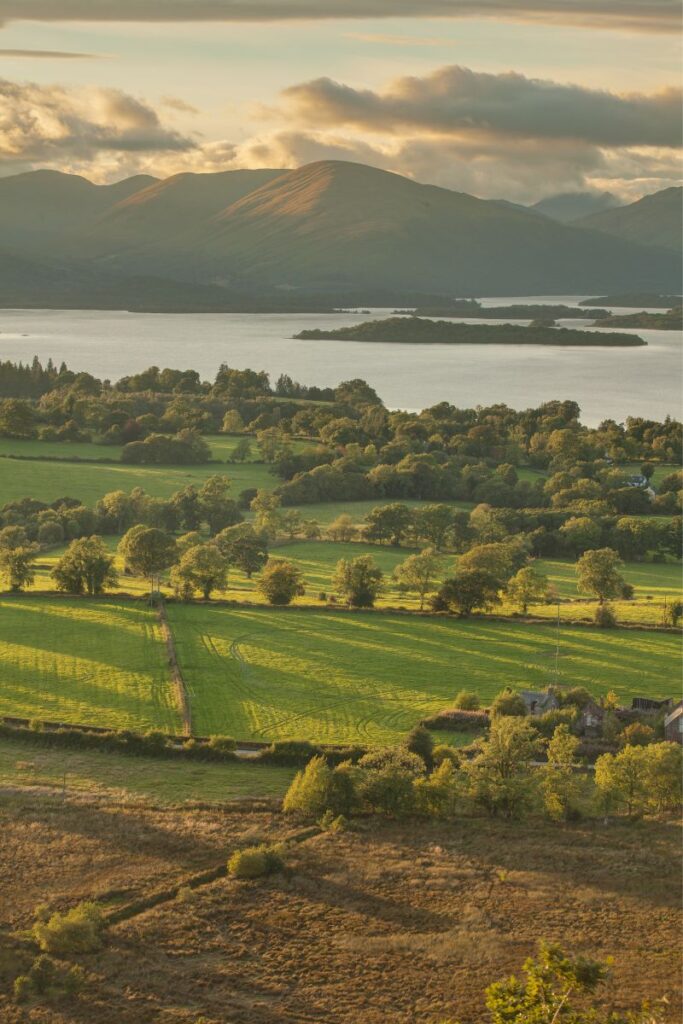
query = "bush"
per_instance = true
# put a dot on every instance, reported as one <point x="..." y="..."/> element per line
<point x="294" y="752"/>
<point x="256" y="861"/>
<point x="223" y="744"/>
<point x="454" y="719"/>
<point x="79" y="930"/>
<point x="330" y="823"/>
<point x="604" y="617"/>
<point x="546" y="723"/>
<point x="22" y="988"/>
<point x="420" y="742"/>
<point x="48" y="978"/>
<point x="319" y="789"/>
<point x="386" y="782"/>
<point x="445" y="752"/>
<point x="637" y="735"/>
<point x="508" y="702"/>
<point x="467" y="700"/>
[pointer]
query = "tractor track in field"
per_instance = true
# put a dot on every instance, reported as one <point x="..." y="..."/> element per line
<point x="181" y="691"/>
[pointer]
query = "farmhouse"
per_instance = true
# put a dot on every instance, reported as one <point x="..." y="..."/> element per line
<point x="673" y="724"/>
<point x="591" y="719"/>
<point x="650" y="706"/>
<point x="539" y="701"/>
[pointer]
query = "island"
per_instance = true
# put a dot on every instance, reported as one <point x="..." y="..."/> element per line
<point x="416" y="331"/>
<point x="635" y="300"/>
<point x="672" y="320"/>
<point x="473" y="309"/>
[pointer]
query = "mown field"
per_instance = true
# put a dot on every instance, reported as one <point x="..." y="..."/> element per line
<point x="96" y="662"/>
<point x="368" y="678"/>
<point x="160" y="780"/>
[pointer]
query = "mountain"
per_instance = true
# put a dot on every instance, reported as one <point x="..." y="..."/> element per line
<point x="652" y="220"/>
<point x="169" y="207"/>
<point x="39" y="210"/>
<point x="569" y="206"/>
<point x="331" y="228"/>
<point x="334" y="225"/>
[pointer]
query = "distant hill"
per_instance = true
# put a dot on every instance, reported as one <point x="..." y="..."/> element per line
<point x="570" y="206"/>
<point x="333" y="228"/>
<point x="672" y="320"/>
<point x="635" y="300"/>
<point x="652" y="220"/>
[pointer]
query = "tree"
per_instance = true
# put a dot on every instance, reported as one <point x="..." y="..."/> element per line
<point x="319" y="788"/>
<point x="186" y="505"/>
<point x="292" y="522"/>
<point x="527" y="587"/>
<point x="267" y="512"/>
<point x="664" y="776"/>
<point x="359" y="581"/>
<point x="281" y="582"/>
<point x="201" y="568"/>
<point x="244" y="548"/>
<point x="438" y="524"/>
<point x="597" y="573"/>
<point x="147" y="552"/>
<point x="419" y="573"/>
<point x="501" y="559"/>
<point x="16" y="419"/>
<point x="242" y="451"/>
<point x="419" y="741"/>
<point x="470" y="589"/>
<point x="508" y="702"/>
<point x="501" y="775"/>
<point x="342" y="529"/>
<point x="273" y="444"/>
<point x="216" y="508"/>
<point x="559" y="782"/>
<point x="388" y="522"/>
<point x="546" y="995"/>
<point x="386" y="780"/>
<point x="16" y="567"/>
<point x="13" y="537"/>
<point x="621" y="779"/>
<point x="232" y="424"/>
<point x="86" y="567"/>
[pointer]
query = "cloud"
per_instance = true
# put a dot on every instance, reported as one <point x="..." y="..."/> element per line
<point x="50" y="54"/>
<point x="633" y="15"/>
<point x="52" y="124"/>
<point x="175" y="103"/>
<point x="456" y="101"/>
<point x="395" y="40"/>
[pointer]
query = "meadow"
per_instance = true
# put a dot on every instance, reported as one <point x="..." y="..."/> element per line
<point x="99" y="662"/>
<point x="368" y="678"/>
<point x="157" y="779"/>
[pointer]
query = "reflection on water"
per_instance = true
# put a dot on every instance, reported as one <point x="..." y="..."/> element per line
<point x="607" y="383"/>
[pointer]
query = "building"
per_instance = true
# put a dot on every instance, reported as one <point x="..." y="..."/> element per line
<point x="591" y="719"/>
<point x="539" y="701"/>
<point x="673" y="724"/>
<point x="649" y="706"/>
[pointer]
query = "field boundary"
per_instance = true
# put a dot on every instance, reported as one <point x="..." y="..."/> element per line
<point x="181" y="691"/>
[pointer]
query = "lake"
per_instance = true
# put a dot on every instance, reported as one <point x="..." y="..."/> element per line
<point x="606" y="382"/>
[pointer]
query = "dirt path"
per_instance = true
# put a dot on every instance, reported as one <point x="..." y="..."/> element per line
<point x="182" y="695"/>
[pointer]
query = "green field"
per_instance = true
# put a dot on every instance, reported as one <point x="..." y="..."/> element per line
<point x="28" y="764"/>
<point x="96" y="662"/>
<point x="361" y="677"/>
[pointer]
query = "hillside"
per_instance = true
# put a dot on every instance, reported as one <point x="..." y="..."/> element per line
<point x="330" y="228"/>
<point x="652" y="220"/>
<point x="569" y="206"/>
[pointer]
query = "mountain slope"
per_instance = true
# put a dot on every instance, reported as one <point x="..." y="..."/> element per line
<point x="40" y="209"/>
<point x="168" y="208"/>
<point x="567" y="207"/>
<point x="652" y="220"/>
<point x="336" y="225"/>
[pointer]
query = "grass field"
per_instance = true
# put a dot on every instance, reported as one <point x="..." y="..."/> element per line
<point x="345" y="677"/>
<point x="26" y="764"/>
<point x="96" y="662"/>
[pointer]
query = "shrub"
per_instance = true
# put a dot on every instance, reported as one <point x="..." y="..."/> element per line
<point x="454" y="719"/>
<point x="546" y="723"/>
<point x="467" y="700"/>
<point x="435" y="795"/>
<point x="330" y="823"/>
<point x="420" y="742"/>
<point x="294" y="752"/>
<point x="48" y="978"/>
<point x="185" y="894"/>
<point x="508" y="702"/>
<point x="604" y="617"/>
<point x="637" y="735"/>
<point x="256" y="861"/>
<point x="22" y="988"/>
<point x="223" y="744"/>
<point x="319" y="789"/>
<point x="445" y="752"/>
<point x="79" y="930"/>
<point x="386" y="782"/>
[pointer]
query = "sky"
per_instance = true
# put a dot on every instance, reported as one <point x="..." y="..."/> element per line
<point x="503" y="100"/>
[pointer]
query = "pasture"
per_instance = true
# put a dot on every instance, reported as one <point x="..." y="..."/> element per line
<point x="368" y="678"/>
<point x="157" y="779"/>
<point x="98" y="662"/>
